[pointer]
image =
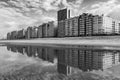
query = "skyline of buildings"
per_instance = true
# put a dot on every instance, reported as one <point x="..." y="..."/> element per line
<point x="42" y="31"/>
<point x="88" y="25"/>
<point x="83" y="25"/>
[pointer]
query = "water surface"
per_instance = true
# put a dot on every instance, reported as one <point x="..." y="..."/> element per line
<point x="59" y="63"/>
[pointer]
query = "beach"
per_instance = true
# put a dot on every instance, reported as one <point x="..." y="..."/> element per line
<point x="99" y="40"/>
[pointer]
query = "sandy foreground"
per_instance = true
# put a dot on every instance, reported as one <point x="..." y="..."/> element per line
<point x="36" y="71"/>
<point x="101" y="41"/>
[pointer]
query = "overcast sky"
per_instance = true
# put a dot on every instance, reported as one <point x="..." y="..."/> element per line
<point x="18" y="14"/>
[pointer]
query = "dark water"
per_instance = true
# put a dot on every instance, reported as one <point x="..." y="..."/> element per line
<point x="20" y="62"/>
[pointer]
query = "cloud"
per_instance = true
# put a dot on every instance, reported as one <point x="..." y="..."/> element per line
<point x="104" y="7"/>
<point x="110" y="8"/>
<point x="11" y="20"/>
<point x="17" y="14"/>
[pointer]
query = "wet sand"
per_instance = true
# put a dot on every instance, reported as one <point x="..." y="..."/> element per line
<point x="97" y="41"/>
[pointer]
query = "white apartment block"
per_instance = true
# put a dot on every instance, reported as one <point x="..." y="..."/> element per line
<point x="116" y="23"/>
<point x="105" y="25"/>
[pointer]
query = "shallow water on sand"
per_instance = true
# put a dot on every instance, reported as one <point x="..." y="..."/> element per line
<point x="20" y="62"/>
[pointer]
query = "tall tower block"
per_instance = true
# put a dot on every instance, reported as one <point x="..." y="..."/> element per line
<point x="63" y="14"/>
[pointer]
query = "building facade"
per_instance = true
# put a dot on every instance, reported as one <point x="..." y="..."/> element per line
<point x="14" y="35"/>
<point x="39" y="32"/>
<point x="21" y="34"/>
<point x="116" y="26"/>
<point x="48" y="29"/>
<point x="85" y="25"/>
<point x="28" y="33"/>
<point x="61" y="16"/>
<point x="8" y="36"/>
<point x="97" y="25"/>
<point x="103" y="25"/>
<point x="34" y="32"/>
<point x="61" y="28"/>
<point x="71" y="27"/>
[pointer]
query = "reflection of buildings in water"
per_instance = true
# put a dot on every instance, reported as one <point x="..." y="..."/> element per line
<point x="105" y="59"/>
<point x="20" y="49"/>
<point x="64" y="69"/>
<point x="86" y="60"/>
<point x="8" y="48"/>
<point x="34" y="51"/>
<point x="46" y="54"/>
<point x="13" y="49"/>
<point x="30" y="51"/>
<point x="69" y="59"/>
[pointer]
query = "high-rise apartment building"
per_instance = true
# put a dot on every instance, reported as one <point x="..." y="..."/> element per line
<point x="61" y="16"/>
<point x="8" y="36"/>
<point x="116" y="26"/>
<point x="89" y="25"/>
<point x="14" y="35"/>
<point x="34" y="32"/>
<point x="97" y="25"/>
<point x="44" y="30"/>
<point x="105" y="25"/>
<point x="61" y="28"/>
<point x="39" y="32"/>
<point x="85" y="24"/>
<point x="71" y="27"/>
<point x="51" y="29"/>
<point x="28" y="33"/>
<point x="48" y="29"/>
<point x="75" y="25"/>
<point x="21" y="34"/>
